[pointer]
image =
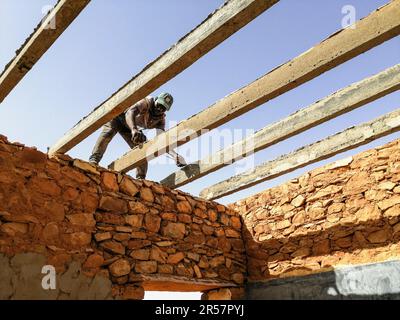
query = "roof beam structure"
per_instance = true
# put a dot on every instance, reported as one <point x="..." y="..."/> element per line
<point x="346" y="140"/>
<point x="44" y="35"/>
<point x="380" y="26"/>
<point x="338" y="103"/>
<point x="219" y="26"/>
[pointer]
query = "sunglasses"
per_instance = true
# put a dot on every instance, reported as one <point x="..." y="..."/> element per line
<point x="161" y="107"/>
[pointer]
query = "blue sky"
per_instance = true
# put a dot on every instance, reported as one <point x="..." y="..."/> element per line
<point x="111" y="41"/>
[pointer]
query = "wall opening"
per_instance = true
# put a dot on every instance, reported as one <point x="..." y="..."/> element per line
<point x="167" y="295"/>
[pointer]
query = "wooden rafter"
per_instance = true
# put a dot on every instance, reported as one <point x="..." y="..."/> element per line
<point x="219" y="26"/>
<point x="329" y="147"/>
<point x="380" y="26"/>
<point x="45" y="34"/>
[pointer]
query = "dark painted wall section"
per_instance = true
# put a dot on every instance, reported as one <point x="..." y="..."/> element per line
<point x="371" y="282"/>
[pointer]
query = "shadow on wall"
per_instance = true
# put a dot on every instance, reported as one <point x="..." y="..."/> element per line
<point x="345" y="213"/>
<point x="289" y="253"/>
<point x="363" y="282"/>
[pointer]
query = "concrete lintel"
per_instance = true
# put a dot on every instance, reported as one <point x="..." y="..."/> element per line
<point x="180" y="284"/>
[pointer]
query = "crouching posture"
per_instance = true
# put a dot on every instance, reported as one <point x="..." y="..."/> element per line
<point x="148" y="113"/>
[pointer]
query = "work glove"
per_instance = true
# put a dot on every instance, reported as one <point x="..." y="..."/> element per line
<point x="138" y="137"/>
<point x="180" y="162"/>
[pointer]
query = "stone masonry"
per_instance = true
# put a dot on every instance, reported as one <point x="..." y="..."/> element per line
<point x="108" y="235"/>
<point x="112" y="237"/>
<point x="346" y="213"/>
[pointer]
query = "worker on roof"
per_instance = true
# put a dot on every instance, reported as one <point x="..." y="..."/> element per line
<point x="148" y="113"/>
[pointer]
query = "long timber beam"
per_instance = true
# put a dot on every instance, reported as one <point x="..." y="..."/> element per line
<point x="338" y="103"/>
<point x="44" y="35"/>
<point x="380" y="26"/>
<point x="219" y="26"/>
<point x="331" y="146"/>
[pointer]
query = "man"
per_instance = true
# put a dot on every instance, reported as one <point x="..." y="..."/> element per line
<point x="148" y="113"/>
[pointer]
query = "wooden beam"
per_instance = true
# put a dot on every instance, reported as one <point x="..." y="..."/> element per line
<point x="329" y="147"/>
<point x="44" y="35"/>
<point x="156" y="282"/>
<point x="379" y="26"/>
<point x="219" y="26"/>
<point x="340" y="102"/>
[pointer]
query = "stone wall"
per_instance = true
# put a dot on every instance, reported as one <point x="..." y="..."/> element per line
<point x="112" y="237"/>
<point x="346" y="213"/>
<point x="91" y="223"/>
